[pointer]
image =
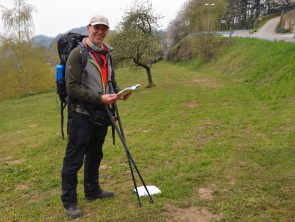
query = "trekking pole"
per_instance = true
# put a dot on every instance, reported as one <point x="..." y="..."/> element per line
<point x="113" y="128"/>
<point x="131" y="162"/>
<point x="119" y="120"/>
<point x="62" y="107"/>
<point x="129" y="154"/>
<point x="130" y="157"/>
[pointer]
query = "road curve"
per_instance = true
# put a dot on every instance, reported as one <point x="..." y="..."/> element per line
<point x="267" y="32"/>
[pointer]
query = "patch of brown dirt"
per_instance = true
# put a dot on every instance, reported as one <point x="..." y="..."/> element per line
<point x="15" y="162"/>
<point x="206" y="193"/>
<point x="36" y="198"/>
<point x="191" y="214"/>
<point x="21" y="187"/>
<point x="178" y="144"/>
<point x="205" y="82"/>
<point x="32" y="126"/>
<point x="191" y="105"/>
<point x="105" y="167"/>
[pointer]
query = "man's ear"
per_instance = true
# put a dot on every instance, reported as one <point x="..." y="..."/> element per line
<point x="88" y="28"/>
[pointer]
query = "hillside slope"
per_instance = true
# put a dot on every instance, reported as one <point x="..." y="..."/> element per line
<point x="267" y="67"/>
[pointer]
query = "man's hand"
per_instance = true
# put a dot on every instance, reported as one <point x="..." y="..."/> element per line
<point x="108" y="98"/>
<point x="125" y="97"/>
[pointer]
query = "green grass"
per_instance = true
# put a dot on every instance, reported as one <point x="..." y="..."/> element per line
<point x="228" y="125"/>
<point x="266" y="67"/>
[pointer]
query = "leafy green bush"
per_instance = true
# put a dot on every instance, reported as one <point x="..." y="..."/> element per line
<point x="24" y="70"/>
<point x="204" y="47"/>
<point x="185" y="50"/>
<point x="281" y="30"/>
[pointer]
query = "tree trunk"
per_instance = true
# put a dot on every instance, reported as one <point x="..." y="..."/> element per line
<point x="19" y="21"/>
<point x="148" y="72"/>
<point x="149" y="75"/>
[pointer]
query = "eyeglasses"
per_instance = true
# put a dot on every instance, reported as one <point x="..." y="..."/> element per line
<point x="102" y="28"/>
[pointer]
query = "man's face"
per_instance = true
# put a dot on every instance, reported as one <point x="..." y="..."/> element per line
<point x="97" y="33"/>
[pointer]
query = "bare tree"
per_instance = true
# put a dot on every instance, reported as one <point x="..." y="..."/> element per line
<point x="18" y="21"/>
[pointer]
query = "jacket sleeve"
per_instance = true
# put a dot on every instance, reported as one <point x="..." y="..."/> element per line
<point x="75" y="88"/>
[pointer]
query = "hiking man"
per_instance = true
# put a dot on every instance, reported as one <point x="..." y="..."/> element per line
<point x="89" y="89"/>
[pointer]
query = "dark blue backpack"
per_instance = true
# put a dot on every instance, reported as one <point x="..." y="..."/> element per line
<point x="65" y="45"/>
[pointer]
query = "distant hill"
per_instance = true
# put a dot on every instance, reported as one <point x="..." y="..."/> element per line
<point x="45" y="41"/>
<point x="81" y="30"/>
<point x="42" y="40"/>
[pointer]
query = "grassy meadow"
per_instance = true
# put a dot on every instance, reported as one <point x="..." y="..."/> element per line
<point x="217" y="139"/>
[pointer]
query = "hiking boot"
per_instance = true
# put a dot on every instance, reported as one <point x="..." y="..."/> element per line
<point x="73" y="212"/>
<point x="100" y="195"/>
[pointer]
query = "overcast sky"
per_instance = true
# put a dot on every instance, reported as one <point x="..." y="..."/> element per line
<point x="58" y="16"/>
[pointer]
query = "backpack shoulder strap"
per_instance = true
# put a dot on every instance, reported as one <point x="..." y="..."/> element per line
<point x="84" y="54"/>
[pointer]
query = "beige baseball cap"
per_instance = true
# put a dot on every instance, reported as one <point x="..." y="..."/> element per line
<point x="99" y="20"/>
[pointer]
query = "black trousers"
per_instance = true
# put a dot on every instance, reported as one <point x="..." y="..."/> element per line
<point x="84" y="144"/>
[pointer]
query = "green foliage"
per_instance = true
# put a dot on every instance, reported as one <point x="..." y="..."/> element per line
<point x="279" y="29"/>
<point x="243" y="14"/>
<point x="136" y="46"/>
<point x="204" y="47"/>
<point x="24" y="70"/>
<point x="196" y="17"/>
<point x="52" y="55"/>
<point x="137" y="39"/>
<point x="204" y="17"/>
<point x="185" y="50"/>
